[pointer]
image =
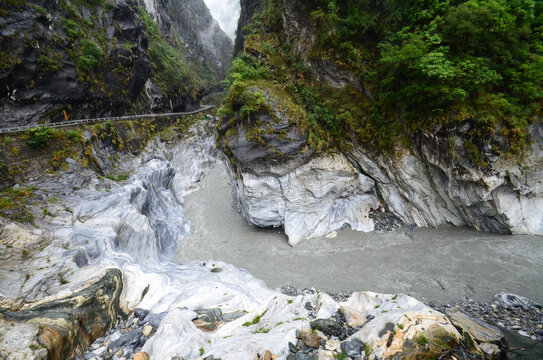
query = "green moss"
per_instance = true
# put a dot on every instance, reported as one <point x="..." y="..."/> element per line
<point x="422" y="340"/>
<point x="39" y="9"/>
<point x="121" y="177"/>
<point x="256" y="320"/>
<point x="9" y="60"/>
<point x="367" y="350"/>
<point x="262" y="331"/>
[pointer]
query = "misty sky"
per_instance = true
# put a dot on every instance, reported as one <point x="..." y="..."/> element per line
<point x="227" y="13"/>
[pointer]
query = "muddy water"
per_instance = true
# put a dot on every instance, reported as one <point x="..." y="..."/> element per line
<point x="440" y="265"/>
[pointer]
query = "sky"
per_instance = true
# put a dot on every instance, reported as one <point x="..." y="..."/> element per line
<point x="226" y="12"/>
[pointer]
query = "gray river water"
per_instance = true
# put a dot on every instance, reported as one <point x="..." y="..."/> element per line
<point x="438" y="265"/>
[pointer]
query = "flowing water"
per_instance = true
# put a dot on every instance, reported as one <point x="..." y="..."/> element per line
<point x="439" y="265"/>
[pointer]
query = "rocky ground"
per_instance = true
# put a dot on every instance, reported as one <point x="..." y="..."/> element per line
<point x="126" y="340"/>
<point x="512" y="312"/>
<point x="509" y="311"/>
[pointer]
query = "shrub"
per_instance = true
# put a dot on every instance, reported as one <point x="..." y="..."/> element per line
<point x="71" y="28"/>
<point x="38" y="138"/>
<point x="74" y="135"/>
<point x="47" y="63"/>
<point x="90" y="55"/>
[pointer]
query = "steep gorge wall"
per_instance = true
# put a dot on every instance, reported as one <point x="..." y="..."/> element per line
<point x="106" y="57"/>
<point x="446" y="175"/>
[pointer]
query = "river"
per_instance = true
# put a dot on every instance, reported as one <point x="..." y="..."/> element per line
<point x="432" y="264"/>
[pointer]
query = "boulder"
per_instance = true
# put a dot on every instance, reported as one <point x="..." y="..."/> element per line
<point x="478" y="330"/>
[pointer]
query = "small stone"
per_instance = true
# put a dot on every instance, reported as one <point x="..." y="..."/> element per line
<point x="155" y="319"/>
<point x="351" y="348"/>
<point x="328" y="327"/>
<point x="292" y="348"/>
<point x="140" y="313"/>
<point x="491" y="351"/>
<point x="325" y="355"/>
<point x="310" y="339"/>
<point x="141" y="356"/>
<point x="302" y="356"/>
<point x="129" y="338"/>
<point x="353" y="317"/>
<point x="147" y="329"/>
<point x="267" y="355"/>
<point x="333" y="345"/>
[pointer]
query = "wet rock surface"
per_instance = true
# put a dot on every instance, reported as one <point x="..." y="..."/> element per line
<point x="168" y="300"/>
<point x="126" y="339"/>
<point x="67" y="325"/>
<point x="509" y="311"/>
<point x="312" y="200"/>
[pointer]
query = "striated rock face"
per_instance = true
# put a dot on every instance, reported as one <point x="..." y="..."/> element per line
<point x="69" y="324"/>
<point x="55" y="304"/>
<point x="97" y="59"/>
<point x="312" y="200"/>
<point x="430" y="187"/>
<point x="202" y="40"/>
<point x="446" y="176"/>
<point x="422" y="186"/>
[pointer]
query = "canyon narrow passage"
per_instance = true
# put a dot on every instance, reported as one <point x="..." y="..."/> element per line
<point x="439" y="265"/>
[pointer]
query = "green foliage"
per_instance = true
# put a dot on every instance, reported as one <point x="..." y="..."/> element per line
<point x="341" y="356"/>
<point x="47" y="63"/>
<point x="9" y="60"/>
<point x="75" y="136"/>
<point x="420" y="62"/>
<point x="39" y="9"/>
<point x="71" y="28"/>
<point x="90" y="56"/>
<point x="367" y="350"/>
<point x="422" y="340"/>
<point x="170" y="68"/>
<point x="245" y="68"/>
<point x="38" y="137"/>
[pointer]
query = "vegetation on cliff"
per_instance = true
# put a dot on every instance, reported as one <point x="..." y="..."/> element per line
<point x="101" y="57"/>
<point x="415" y="64"/>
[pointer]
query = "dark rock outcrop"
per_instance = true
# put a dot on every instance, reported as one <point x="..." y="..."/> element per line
<point x="97" y="59"/>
